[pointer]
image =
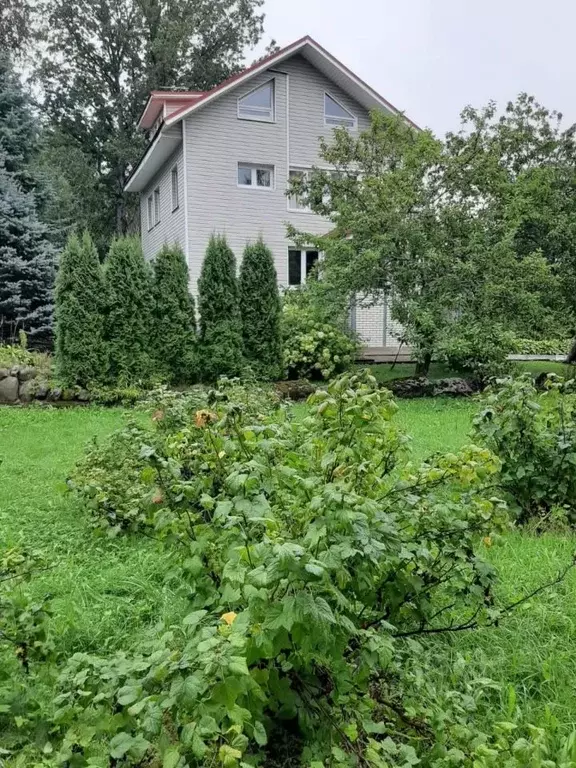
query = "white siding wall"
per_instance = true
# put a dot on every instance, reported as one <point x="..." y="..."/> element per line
<point x="216" y="141"/>
<point x="171" y="229"/>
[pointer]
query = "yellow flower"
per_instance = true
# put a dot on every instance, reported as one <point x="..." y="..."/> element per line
<point x="229" y="618"/>
<point x="204" y="417"/>
<point x="487" y="541"/>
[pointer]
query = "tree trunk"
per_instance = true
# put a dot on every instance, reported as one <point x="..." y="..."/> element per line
<point x="572" y="354"/>
<point x="423" y="366"/>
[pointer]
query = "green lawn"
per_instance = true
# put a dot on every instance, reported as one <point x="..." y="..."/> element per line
<point x="108" y="591"/>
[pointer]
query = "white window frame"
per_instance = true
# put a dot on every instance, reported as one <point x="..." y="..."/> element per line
<point x="254" y="168"/>
<point x="175" y="185"/>
<point x="330" y="122"/>
<point x="266" y="117"/>
<point x="150" y="211"/>
<point x="303" y="274"/>
<point x="157" y="207"/>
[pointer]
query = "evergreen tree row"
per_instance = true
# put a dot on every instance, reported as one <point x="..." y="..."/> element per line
<point x="126" y="322"/>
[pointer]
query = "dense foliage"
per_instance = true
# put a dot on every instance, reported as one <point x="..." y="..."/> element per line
<point x="220" y="338"/>
<point x="534" y="435"/>
<point x="314" y="350"/>
<point x="174" y="316"/>
<point x="260" y="311"/>
<point x="129" y="322"/>
<point x="480" y="350"/>
<point x="449" y="228"/>
<point x="81" y="307"/>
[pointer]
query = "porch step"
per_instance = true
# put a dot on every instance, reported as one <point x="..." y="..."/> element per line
<point x="386" y="355"/>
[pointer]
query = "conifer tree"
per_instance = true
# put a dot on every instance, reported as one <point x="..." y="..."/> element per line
<point x="129" y="323"/>
<point x="174" y="315"/>
<point x="26" y="266"/>
<point x="260" y="310"/>
<point x="80" y="313"/>
<point x="220" y="343"/>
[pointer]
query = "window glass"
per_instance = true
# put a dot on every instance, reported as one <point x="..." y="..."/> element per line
<point x="296" y="203"/>
<point x="157" y="206"/>
<point x="258" y="104"/>
<point x="311" y="259"/>
<point x="294" y="267"/>
<point x="150" y="212"/>
<point x="263" y="177"/>
<point x="175" y="192"/>
<point x="336" y="114"/>
<point x="245" y="175"/>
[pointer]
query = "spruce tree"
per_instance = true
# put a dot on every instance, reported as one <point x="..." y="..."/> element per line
<point x="129" y="323"/>
<point x="26" y="266"/>
<point x="174" y="315"/>
<point x="220" y="344"/>
<point x="80" y="312"/>
<point x="260" y="310"/>
<point x="18" y="128"/>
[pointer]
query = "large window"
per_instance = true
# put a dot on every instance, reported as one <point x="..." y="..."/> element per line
<point x="258" y="104"/>
<point x="337" y="115"/>
<point x="175" y="189"/>
<point x="255" y="176"/>
<point x="300" y="264"/>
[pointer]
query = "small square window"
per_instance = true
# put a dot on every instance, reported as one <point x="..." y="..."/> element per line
<point x="261" y="176"/>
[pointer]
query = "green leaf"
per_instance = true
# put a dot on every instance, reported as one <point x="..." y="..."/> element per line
<point x="171" y="758"/>
<point x="194" y="618"/>
<point x="260" y="735"/>
<point x="238" y="666"/>
<point x="120" y="745"/>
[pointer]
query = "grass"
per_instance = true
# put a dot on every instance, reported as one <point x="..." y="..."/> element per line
<point x="107" y="592"/>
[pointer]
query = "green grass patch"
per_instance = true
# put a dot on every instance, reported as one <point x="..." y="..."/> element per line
<point x="105" y="590"/>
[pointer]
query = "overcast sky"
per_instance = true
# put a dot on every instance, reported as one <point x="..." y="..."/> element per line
<point x="432" y="57"/>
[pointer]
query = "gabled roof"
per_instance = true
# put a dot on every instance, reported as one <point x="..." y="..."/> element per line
<point x="193" y="101"/>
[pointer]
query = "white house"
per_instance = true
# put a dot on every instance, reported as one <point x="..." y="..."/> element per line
<point x="220" y="161"/>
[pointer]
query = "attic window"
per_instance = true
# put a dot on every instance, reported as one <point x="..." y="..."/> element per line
<point x="337" y="115"/>
<point x="258" y="104"/>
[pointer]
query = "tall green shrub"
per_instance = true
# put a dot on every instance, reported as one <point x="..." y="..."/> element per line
<point x="261" y="311"/>
<point x="174" y="318"/>
<point x="220" y="344"/>
<point x="81" y="354"/>
<point x="130" y="320"/>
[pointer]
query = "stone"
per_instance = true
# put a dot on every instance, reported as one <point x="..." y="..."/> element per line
<point x="54" y="395"/>
<point x="42" y="391"/>
<point x="454" y="388"/>
<point x="295" y="390"/>
<point x="9" y="390"/>
<point x="4" y="373"/>
<point x="27" y="391"/>
<point x="83" y="396"/>
<point x="27" y="372"/>
<point x="410" y="387"/>
<point x="68" y="394"/>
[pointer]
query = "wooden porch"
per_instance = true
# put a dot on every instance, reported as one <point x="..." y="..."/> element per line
<point x="386" y="355"/>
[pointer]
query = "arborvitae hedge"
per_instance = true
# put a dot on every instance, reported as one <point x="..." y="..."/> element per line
<point x="80" y="312"/>
<point x="174" y="317"/>
<point x="220" y="343"/>
<point x="130" y="324"/>
<point x="260" y="310"/>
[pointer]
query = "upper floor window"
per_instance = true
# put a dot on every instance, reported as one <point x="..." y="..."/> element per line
<point x="258" y="104"/>
<point x="296" y="203"/>
<point x="257" y="176"/>
<point x="336" y="114"/>
<point x="175" y="189"/>
<point x="157" y="206"/>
